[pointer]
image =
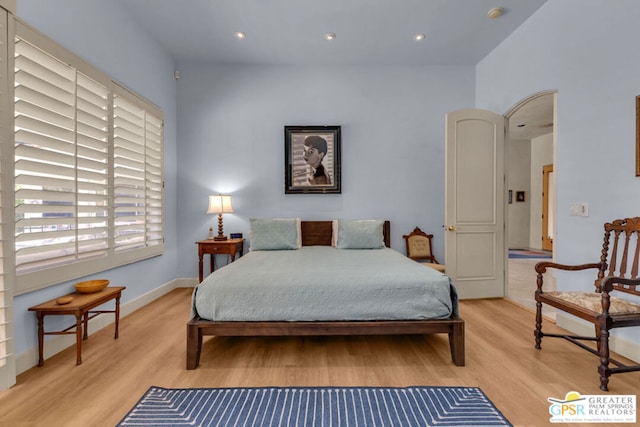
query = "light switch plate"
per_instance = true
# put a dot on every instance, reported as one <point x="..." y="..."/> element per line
<point x="579" y="209"/>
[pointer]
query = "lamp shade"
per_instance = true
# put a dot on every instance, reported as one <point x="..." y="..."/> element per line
<point x="220" y="204"/>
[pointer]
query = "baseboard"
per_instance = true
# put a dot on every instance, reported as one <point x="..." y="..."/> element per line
<point x="29" y="358"/>
<point x="186" y="282"/>
<point x="622" y="346"/>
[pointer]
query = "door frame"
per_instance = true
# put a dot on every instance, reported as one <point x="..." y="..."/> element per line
<point x="547" y="204"/>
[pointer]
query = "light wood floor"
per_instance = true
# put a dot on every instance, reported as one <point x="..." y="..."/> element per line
<point x="500" y="359"/>
<point x="521" y="283"/>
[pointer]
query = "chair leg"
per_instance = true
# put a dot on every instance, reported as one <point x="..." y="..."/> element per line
<point x="603" y="349"/>
<point x="538" y="332"/>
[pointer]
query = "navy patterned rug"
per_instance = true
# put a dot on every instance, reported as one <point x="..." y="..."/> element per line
<point x="315" y="406"/>
<point x="528" y="253"/>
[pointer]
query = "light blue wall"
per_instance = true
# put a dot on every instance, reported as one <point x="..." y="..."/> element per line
<point x="588" y="52"/>
<point x="231" y="135"/>
<point x="100" y="33"/>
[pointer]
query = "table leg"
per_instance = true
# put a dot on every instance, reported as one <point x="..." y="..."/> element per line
<point x="117" y="316"/>
<point x="211" y="264"/>
<point x="79" y="338"/>
<point x="85" y="333"/>
<point x="200" y="268"/>
<point x="40" y="316"/>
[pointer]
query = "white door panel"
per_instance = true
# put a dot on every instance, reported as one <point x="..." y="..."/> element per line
<point x="477" y="260"/>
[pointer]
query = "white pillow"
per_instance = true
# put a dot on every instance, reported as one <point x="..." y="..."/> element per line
<point x="275" y="234"/>
<point x="360" y="234"/>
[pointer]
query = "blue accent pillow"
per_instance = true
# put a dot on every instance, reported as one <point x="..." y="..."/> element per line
<point x="361" y="234"/>
<point x="274" y="234"/>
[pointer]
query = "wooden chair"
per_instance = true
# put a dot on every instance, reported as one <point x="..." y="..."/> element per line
<point x="617" y="273"/>
<point x="419" y="249"/>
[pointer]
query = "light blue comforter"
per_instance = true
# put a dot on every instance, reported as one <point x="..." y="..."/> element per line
<point x="324" y="283"/>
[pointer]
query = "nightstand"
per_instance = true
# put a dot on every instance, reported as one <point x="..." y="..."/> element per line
<point x="217" y="247"/>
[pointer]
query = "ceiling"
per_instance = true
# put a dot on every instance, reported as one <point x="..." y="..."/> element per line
<point x="368" y="32"/>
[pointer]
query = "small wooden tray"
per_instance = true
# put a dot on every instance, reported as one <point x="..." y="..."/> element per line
<point x="64" y="300"/>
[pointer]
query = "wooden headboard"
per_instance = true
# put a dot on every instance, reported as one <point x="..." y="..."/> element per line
<point x="318" y="233"/>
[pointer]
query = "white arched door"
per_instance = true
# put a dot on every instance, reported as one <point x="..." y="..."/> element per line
<point x="474" y="202"/>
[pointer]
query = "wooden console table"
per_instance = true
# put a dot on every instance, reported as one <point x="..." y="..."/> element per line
<point x="80" y="306"/>
<point x="213" y="247"/>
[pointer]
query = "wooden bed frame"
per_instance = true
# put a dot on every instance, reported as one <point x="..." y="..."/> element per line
<point x="319" y="233"/>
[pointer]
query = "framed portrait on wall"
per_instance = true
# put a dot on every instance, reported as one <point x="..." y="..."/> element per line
<point x="638" y="135"/>
<point x="312" y="160"/>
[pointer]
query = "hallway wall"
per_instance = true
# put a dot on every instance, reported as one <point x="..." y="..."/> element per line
<point x="541" y="154"/>
<point x="518" y="179"/>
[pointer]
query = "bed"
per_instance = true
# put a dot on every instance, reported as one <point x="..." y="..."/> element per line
<point x="303" y="294"/>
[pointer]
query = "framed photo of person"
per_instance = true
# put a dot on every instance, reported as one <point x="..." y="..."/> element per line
<point x="638" y="135"/>
<point x="312" y="160"/>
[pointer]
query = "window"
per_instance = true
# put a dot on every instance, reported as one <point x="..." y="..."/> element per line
<point x="88" y="168"/>
<point x="137" y="163"/>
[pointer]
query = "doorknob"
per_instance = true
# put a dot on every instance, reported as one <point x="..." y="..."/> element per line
<point x="451" y="228"/>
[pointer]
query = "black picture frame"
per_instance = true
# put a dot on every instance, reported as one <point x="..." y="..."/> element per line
<point x="638" y="135"/>
<point x="520" y="196"/>
<point x="304" y="144"/>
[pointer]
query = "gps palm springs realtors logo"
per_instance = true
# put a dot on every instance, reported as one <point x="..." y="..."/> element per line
<point x="576" y="408"/>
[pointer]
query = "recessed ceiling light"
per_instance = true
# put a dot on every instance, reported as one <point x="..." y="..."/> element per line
<point x="240" y="35"/>
<point x="496" y="12"/>
<point x="330" y="36"/>
<point x="419" y="37"/>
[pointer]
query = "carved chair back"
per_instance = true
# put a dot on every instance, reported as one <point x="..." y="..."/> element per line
<point x="419" y="246"/>
<point x="622" y="236"/>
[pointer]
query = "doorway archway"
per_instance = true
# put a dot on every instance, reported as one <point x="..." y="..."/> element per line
<point x="531" y="143"/>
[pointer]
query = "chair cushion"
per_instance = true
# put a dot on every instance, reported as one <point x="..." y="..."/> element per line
<point x="593" y="301"/>
<point x="419" y="247"/>
<point x="435" y="266"/>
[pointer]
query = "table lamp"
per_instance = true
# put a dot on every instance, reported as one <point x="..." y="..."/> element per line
<point x="220" y="204"/>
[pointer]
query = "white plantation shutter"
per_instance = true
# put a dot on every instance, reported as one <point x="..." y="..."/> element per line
<point x="88" y="168"/>
<point x="7" y="358"/>
<point x="44" y="158"/>
<point x="137" y="163"/>
<point x="92" y="156"/>
<point x="154" y="180"/>
<point x="61" y="162"/>
<point x="129" y="175"/>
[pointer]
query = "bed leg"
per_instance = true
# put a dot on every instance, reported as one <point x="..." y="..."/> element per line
<point x="194" y="345"/>
<point x="456" y="343"/>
